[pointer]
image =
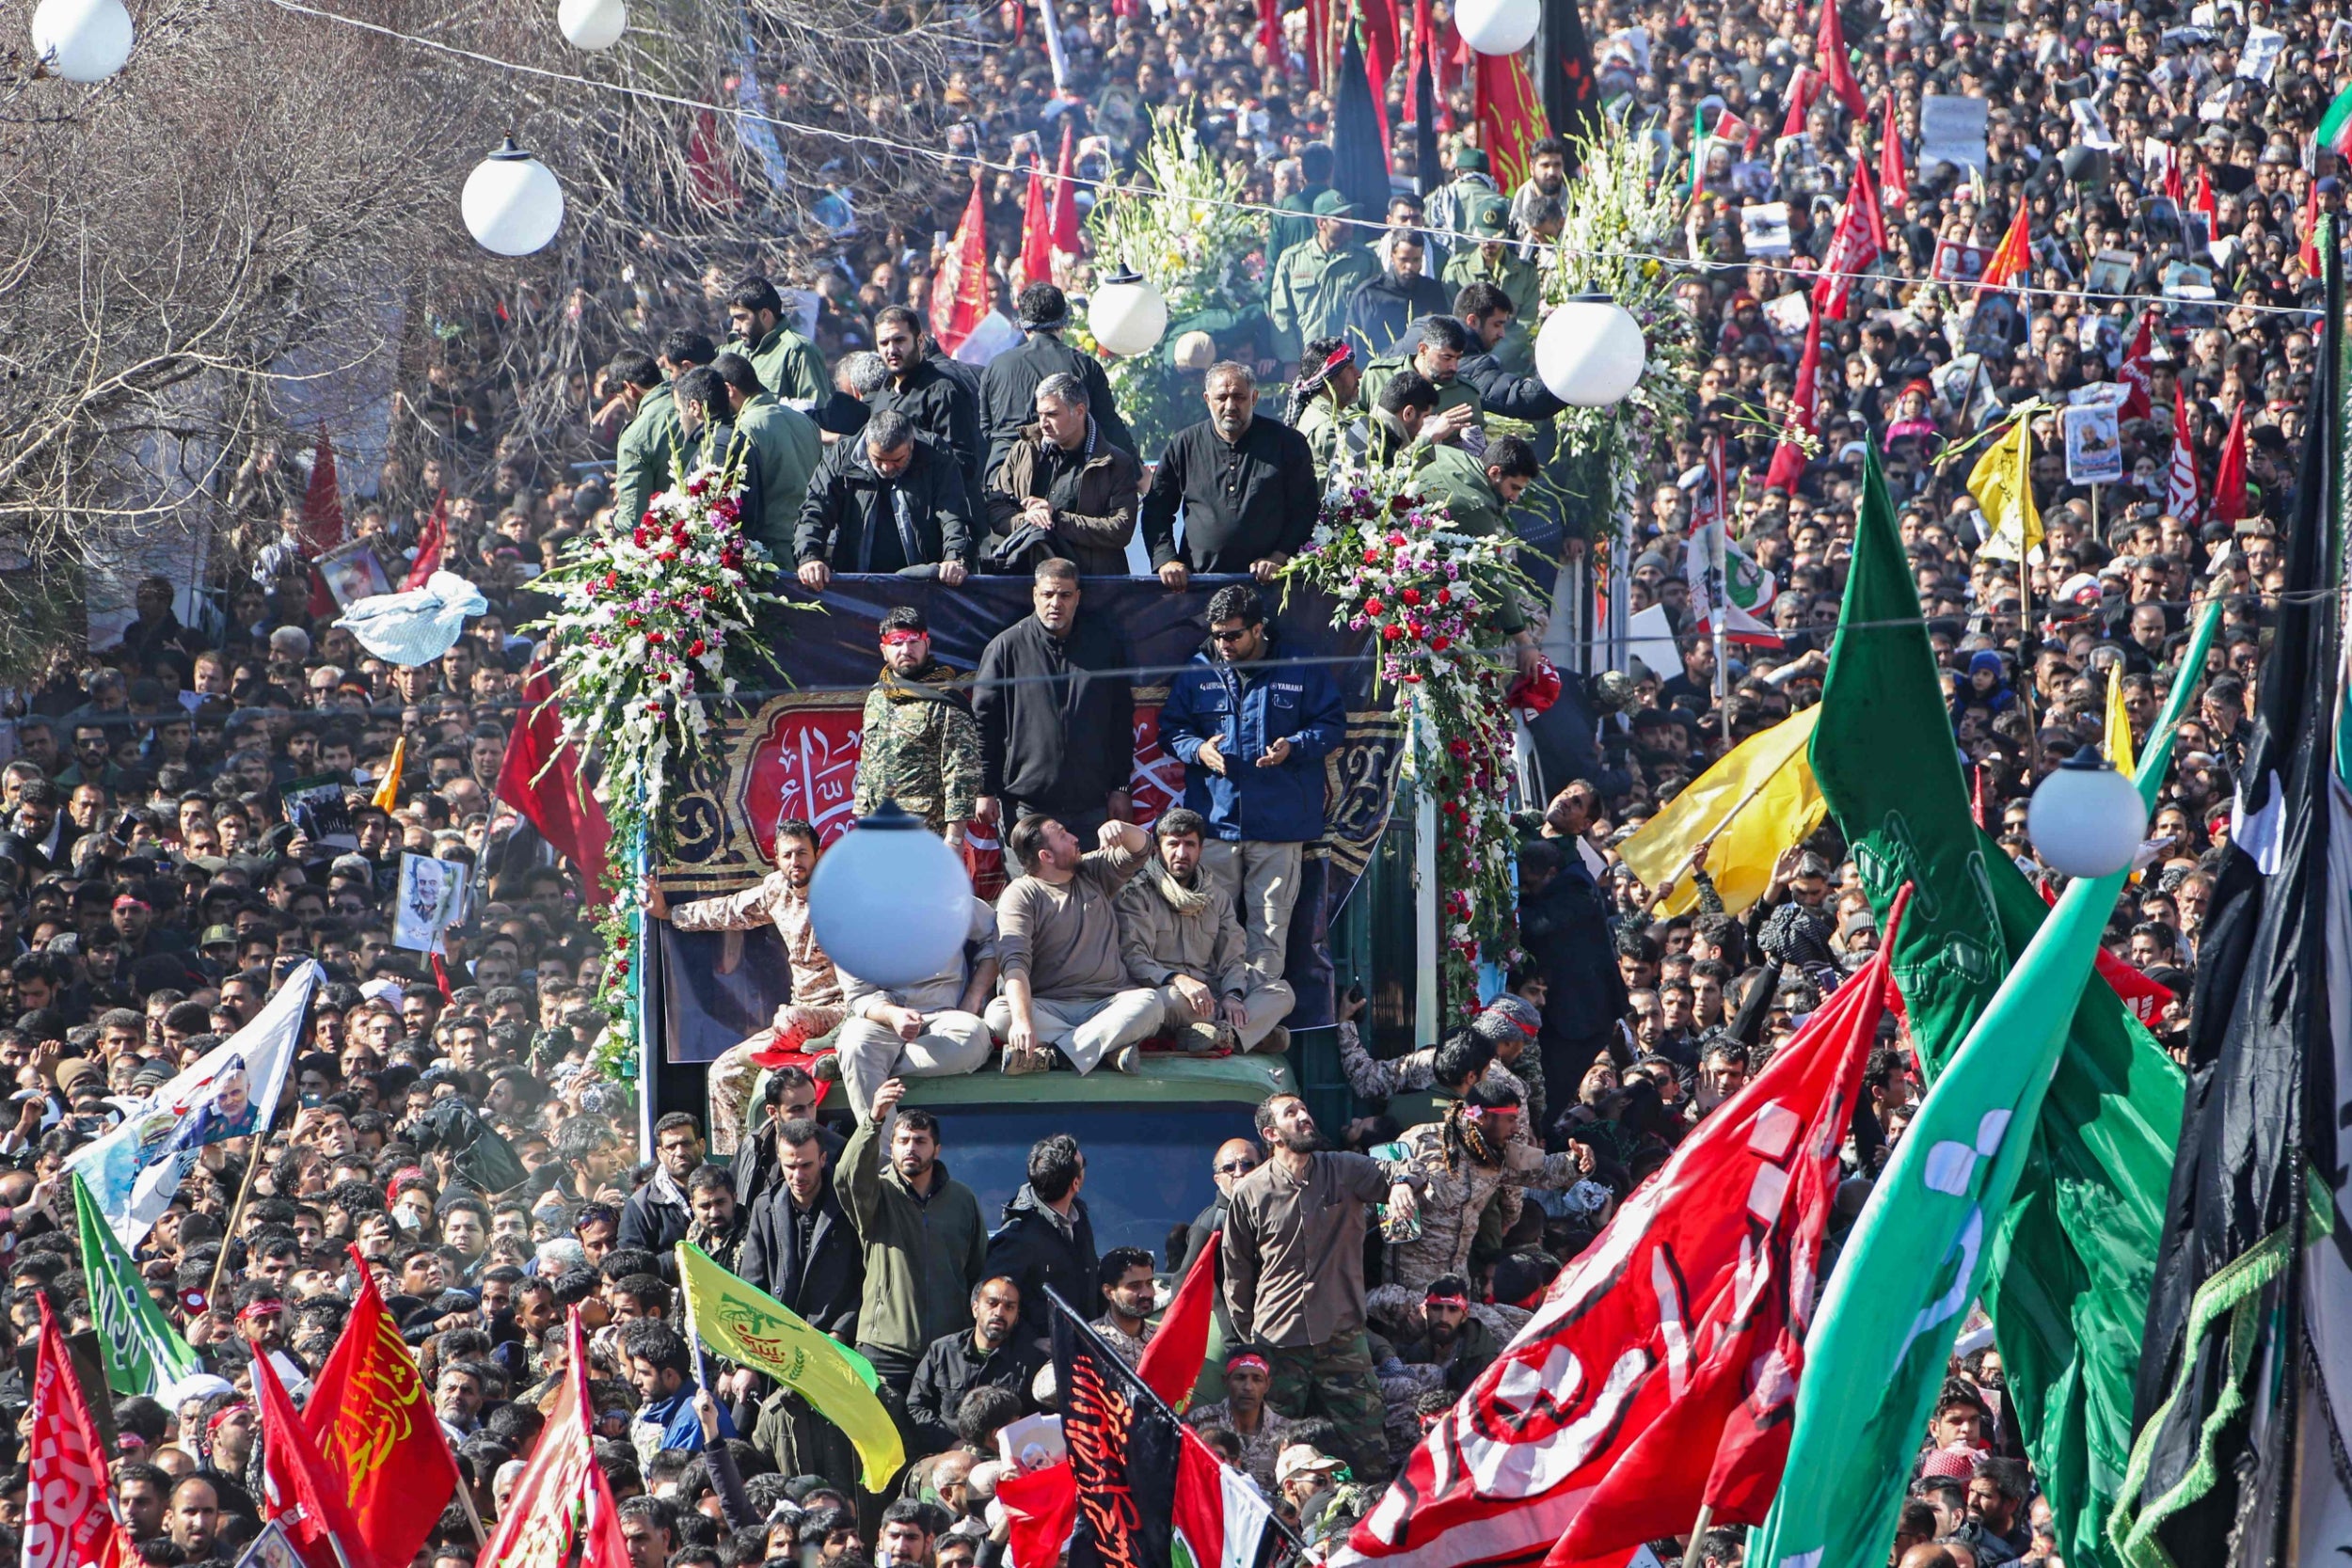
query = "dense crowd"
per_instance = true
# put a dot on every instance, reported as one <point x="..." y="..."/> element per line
<point x="167" y="857"/>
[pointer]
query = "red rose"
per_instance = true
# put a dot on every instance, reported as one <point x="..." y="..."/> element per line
<point x="697" y="649"/>
<point x="709" y="592"/>
<point x="1391" y="634"/>
<point x="1445" y="596"/>
<point x="1410" y="595"/>
<point x="1371" y="558"/>
<point x="657" y="636"/>
<point x="1440" y="644"/>
<point x="1396" y="541"/>
<point x="1418" y="629"/>
<point x="1373" y="606"/>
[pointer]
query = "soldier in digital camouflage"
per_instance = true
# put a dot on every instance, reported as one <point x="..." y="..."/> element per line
<point x="921" y="745"/>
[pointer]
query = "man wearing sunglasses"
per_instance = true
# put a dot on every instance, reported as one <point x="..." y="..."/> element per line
<point x="1253" y="728"/>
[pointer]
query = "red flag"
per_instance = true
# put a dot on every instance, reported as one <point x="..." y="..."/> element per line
<point x="2134" y="373"/>
<point x="1805" y="85"/>
<point x="540" y="778"/>
<point x="322" y="524"/>
<point x="69" y="1515"/>
<point x="1788" y="457"/>
<point x="561" y="1513"/>
<point x="1509" y="117"/>
<point x="372" y="1417"/>
<point x="1658" y="1375"/>
<point x="2012" y="256"/>
<point x="2228" y="475"/>
<point x="1037" y="231"/>
<point x="431" y="546"/>
<point x="2308" y="252"/>
<point x="1043" y="1508"/>
<point x="1379" y="28"/>
<point x="299" y="1491"/>
<point x="1171" y="1362"/>
<point x="2180" y="480"/>
<point x="2174" y="190"/>
<point x="1894" y="174"/>
<point x="1067" y="238"/>
<point x="1860" y="240"/>
<point x="711" y="183"/>
<point x="1270" y="34"/>
<point x="2206" y="204"/>
<point x="1830" y="44"/>
<point x="970" y="294"/>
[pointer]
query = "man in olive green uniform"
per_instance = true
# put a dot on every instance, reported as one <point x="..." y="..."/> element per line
<point x="1326" y="401"/>
<point x="1314" y="168"/>
<point x="1479" y="492"/>
<point x="788" y="448"/>
<point x="789" y="365"/>
<point x="1495" y="260"/>
<point x="1434" y="346"/>
<point x="649" y="448"/>
<point x="1315" y="279"/>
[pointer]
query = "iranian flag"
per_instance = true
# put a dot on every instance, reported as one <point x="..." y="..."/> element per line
<point x="2335" y="127"/>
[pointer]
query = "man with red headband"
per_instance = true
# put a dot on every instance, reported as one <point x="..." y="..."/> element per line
<point x="1244" y="1412"/>
<point x="921" y="744"/>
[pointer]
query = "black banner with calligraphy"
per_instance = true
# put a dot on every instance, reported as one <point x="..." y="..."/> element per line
<point x="1125" y="1450"/>
<point x="793" y="753"/>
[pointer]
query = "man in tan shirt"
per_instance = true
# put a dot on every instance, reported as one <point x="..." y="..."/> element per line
<point x="1065" y="984"/>
<point x="818" y="1006"/>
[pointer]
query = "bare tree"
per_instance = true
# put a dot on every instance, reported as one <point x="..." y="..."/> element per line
<point x="262" y="207"/>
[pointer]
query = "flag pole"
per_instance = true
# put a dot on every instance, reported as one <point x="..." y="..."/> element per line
<point x="245" y="1190"/>
<point x="1094" y="1342"/>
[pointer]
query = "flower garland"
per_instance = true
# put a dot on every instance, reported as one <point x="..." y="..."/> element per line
<point x="1387" y="553"/>
<point x="1191" y="239"/>
<point x="653" y="624"/>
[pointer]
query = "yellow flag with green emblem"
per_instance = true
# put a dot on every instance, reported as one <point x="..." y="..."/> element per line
<point x="744" y="1324"/>
<point x="2002" y="482"/>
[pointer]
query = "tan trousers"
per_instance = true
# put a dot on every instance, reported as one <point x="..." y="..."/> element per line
<point x="1262" y="878"/>
<point x="1262" y="1009"/>
<point x="952" y="1043"/>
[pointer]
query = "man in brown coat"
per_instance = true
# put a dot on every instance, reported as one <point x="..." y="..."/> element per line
<point x="1063" y="489"/>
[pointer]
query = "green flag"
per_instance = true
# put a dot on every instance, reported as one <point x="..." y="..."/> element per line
<point x="739" y="1321"/>
<point x="140" y="1348"/>
<point x="2072" y="1259"/>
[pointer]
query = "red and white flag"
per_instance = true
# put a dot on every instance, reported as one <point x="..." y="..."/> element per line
<point x="68" y="1517"/>
<point x="1659" y="1374"/>
<point x="2180" y="480"/>
<point x="1788" y="458"/>
<point x="1730" y="127"/>
<point x="1805" y="85"/>
<point x="1859" y="241"/>
<point x="1837" y="67"/>
<point x="561" y="1513"/>
<point x="2133" y="374"/>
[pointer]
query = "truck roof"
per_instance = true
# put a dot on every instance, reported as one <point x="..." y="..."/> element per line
<point x="1166" y="1079"/>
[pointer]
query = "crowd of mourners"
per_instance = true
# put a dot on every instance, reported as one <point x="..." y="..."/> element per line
<point x="166" y="861"/>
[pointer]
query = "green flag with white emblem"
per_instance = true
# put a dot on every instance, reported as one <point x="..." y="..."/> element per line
<point x="140" y="1348"/>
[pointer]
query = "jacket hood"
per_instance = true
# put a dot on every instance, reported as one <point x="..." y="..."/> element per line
<point x="1025" y="1201"/>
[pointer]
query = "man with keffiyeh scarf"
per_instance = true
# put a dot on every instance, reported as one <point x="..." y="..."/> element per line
<point x="921" y="745"/>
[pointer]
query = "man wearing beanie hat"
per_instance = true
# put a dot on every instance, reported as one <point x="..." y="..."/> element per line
<point x="1008" y="386"/>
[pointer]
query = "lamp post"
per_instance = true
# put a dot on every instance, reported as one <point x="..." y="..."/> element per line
<point x="2086" y="819"/>
<point x="512" y="204"/>
<point x="1127" y="315"/>
<point x="591" y="24"/>
<point x="890" y="902"/>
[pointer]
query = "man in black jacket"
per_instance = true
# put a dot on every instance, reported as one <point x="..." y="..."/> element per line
<point x="1247" y="485"/>
<point x="1488" y="314"/>
<point x="992" y="1353"/>
<point x="1047" y="1240"/>
<point x="1008" y="386"/>
<point x="1564" y="925"/>
<point x="886" y="501"/>
<point x="1056" y="739"/>
<point x="802" y="1250"/>
<point x="789" y="1096"/>
<point x="1385" y="304"/>
<point x="656" y="1215"/>
<point x="937" y="402"/>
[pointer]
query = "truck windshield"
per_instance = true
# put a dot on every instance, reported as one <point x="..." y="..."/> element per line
<point x="1147" y="1165"/>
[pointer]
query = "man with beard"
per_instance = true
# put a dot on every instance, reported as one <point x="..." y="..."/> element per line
<point x="1244" y="1412"/>
<point x="1548" y="176"/>
<point x="1179" y="935"/>
<point x="1293" y="1256"/>
<point x="1457" y="1344"/>
<point x="717" y="1223"/>
<point x="1063" y="487"/>
<point x="802" y="1250"/>
<point x="1125" y="1281"/>
<point x="1382" y="307"/>
<point x="922" y="1235"/>
<point x="989" y="1353"/>
<point x="816" y="1006"/>
<point x="921" y="745"/>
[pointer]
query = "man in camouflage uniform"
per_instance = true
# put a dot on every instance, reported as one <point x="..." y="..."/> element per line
<point x="1315" y="278"/>
<point x="921" y="745"/>
<point x="1244" y="1413"/>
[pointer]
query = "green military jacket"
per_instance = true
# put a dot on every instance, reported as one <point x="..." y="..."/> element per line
<point x="647" y="456"/>
<point x="1310" y="290"/>
<point x="1453" y="393"/>
<point x="1325" y="425"/>
<point x="789" y="366"/>
<point x="920" y="745"/>
<point x="1514" y="274"/>
<point x="1458" y="479"/>
<point x="790" y="449"/>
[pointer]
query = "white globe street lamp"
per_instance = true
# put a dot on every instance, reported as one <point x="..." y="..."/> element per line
<point x="890" y="902"/>
<point x="592" y="23"/>
<point x="82" y="40"/>
<point x="1498" y="26"/>
<point x="1127" y="315"/>
<point x="1591" y="352"/>
<point x="512" y="204"/>
<point x="2086" y="818"/>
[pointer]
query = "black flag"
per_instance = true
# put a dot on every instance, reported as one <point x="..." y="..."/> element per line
<point x="2214" y="1453"/>
<point x="1570" y="85"/>
<point x="1359" y="170"/>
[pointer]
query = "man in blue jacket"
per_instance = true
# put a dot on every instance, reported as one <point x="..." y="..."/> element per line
<point x="1252" y="731"/>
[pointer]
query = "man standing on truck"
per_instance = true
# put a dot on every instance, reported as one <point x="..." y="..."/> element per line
<point x="1252" y="732"/>
<point x="1293" y="1256"/>
<point x="1057" y="737"/>
<point x="924" y="1240"/>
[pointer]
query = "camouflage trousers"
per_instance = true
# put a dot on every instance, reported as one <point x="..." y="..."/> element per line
<point x="1336" y="1382"/>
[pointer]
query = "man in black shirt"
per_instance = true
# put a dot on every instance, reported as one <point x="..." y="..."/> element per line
<point x="991" y="1352"/>
<point x="1247" y="485"/>
<point x="941" y="408"/>
<point x="1057" y="740"/>
<point x="885" y="501"/>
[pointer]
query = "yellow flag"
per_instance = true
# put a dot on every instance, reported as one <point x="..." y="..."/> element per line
<point x="2118" y="747"/>
<point x="387" y="793"/>
<point x="2002" y="482"/>
<point x="744" y="1324"/>
<point x="1756" y="804"/>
